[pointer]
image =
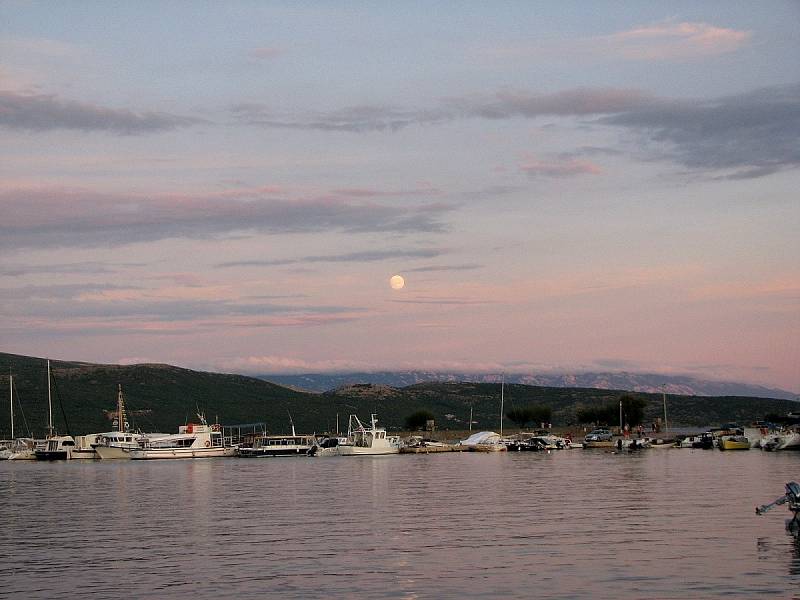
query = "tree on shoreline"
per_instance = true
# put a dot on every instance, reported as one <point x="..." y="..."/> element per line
<point x="535" y="414"/>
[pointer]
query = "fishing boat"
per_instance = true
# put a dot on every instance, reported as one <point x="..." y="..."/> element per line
<point x="734" y="442"/>
<point x="118" y="444"/>
<point x="192" y="441"/>
<point x="367" y="441"/>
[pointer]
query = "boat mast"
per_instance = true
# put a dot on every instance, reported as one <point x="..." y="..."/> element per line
<point x="664" y="395"/>
<point x="502" y="386"/>
<point x="11" y="395"/>
<point x="49" y="404"/>
<point x="121" y="425"/>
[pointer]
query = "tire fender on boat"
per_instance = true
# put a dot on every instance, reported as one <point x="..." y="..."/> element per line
<point x="208" y="443"/>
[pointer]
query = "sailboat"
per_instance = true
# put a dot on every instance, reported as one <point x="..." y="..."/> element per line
<point x="55" y="447"/>
<point x="19" y="448"/>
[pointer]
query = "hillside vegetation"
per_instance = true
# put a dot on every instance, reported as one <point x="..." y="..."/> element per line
<point x="161" y="397"/>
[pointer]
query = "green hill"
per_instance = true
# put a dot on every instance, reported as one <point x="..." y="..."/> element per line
<point x="161" y="397"/>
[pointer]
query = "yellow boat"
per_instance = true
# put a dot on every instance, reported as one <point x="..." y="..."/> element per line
<point x="734" y="442"/>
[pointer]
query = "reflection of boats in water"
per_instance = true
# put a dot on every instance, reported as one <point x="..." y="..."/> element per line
<point x="191" y="441"/>
<point x="792" y="498"/>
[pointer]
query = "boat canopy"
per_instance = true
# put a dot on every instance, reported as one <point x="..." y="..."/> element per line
<point x="482" y="437"/>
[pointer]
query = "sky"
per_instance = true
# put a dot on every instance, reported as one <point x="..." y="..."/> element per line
<point x="563" y="186"/>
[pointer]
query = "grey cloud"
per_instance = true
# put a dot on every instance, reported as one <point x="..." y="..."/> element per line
<point x="353" y="119"/>
<point x="444" y="268"/>
<point x="39" y="112"/>
<point x="366" y="256"/>
<point x="754" y="133"/>
<point x="48" y="302"/>
<point x="77" y="218"/>
<point x="87" y="268"/>
<point x="757" y="133"/>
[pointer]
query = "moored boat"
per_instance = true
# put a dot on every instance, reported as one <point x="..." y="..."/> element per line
<point x="368" y="441"/>
<point x="55" y="447"/>
<point x="192" y="441"/>
<point x="327" y="446"/>
<point x="278" y="445"/>
<point x="733" y="442"/>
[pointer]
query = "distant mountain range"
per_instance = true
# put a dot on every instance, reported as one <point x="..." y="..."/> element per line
<point x="161" y="397"/>
<point x="635" y="382"/>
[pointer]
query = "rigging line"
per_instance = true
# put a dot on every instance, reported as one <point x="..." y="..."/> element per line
<point x="22" y="411"/>
<point x="61" y="404"/>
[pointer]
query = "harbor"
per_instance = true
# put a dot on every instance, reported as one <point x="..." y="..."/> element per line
<point x="575" y="524"/>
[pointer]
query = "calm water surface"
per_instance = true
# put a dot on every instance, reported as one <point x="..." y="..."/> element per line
<point x="570" y="524"/>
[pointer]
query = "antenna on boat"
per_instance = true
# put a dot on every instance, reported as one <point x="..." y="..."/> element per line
<point x="291" y="421"/>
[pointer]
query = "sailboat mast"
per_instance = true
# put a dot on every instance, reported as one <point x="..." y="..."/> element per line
<point x="49" y="404"/>
<point x="664" y="394"/>
<point x="502" y="388"/>
<point x="11" y="395"/>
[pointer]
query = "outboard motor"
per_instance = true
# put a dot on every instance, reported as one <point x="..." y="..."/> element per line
<point x="792" y="496"/>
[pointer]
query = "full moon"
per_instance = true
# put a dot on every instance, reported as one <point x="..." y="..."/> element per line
<point x="397" y="282"/>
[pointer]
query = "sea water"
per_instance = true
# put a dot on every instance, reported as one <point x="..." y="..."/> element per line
<point x="661" y="523"/>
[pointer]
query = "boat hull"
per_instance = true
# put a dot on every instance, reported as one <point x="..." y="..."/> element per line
<point x="52" y="455"/>
<point x="363" y="451"/>
<point x="114" y="452"/>
<point x="84" y="454"/>
<point x="734" y="445"/>
<point x="262" y="452"/>
<point x="599" y="444"/>
<point x="174" y="453"/>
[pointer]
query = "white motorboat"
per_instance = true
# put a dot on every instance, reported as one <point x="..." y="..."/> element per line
<point x="327" y="446"/>
<point x="367" y="441"/>
<point x="55" y="447"/>
<point x="192" y="441"/>
<point x="788" y="439"/>
<point x="484" y="441"/>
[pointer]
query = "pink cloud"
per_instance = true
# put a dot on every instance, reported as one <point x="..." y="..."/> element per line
<point x="664" y="41"/>
<point x="559" y="168"/>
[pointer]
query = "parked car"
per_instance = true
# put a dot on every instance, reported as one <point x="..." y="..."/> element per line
<point x="598" y="435"/>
